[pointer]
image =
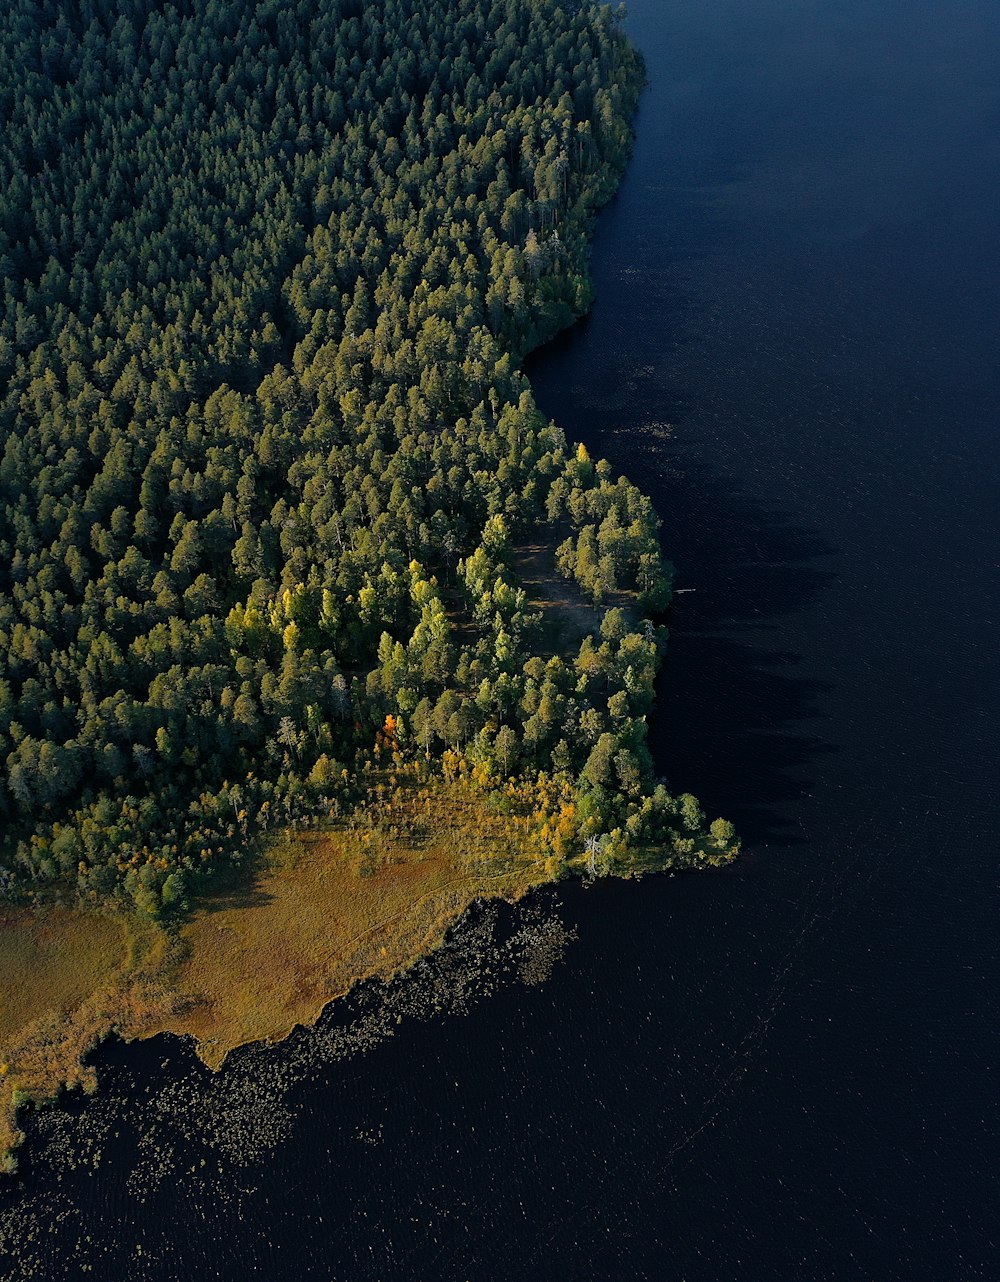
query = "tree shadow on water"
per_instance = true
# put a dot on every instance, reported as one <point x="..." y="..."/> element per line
<point x="738" y="709"/>
<point x="727" y="728"/>
<point x="738" y="718"/>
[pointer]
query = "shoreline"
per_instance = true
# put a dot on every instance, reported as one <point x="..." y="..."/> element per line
<point x="252" y="966"/>
<point x="226" y="975"/>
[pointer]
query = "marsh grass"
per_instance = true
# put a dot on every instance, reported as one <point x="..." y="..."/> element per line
<point x="364" y="897"/>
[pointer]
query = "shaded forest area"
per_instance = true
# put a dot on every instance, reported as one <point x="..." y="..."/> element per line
<point x="266" y="455"/>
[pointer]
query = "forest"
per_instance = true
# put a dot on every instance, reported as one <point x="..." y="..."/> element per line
<point x="268" y="462"/>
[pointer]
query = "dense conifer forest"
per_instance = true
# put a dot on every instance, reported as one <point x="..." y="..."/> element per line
<point x="268" y="466"/>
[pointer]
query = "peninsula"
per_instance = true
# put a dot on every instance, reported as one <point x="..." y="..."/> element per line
<point x="312" y="629"/>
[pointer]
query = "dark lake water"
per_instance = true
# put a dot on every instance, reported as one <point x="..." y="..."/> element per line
<point x="788" y="1070"/>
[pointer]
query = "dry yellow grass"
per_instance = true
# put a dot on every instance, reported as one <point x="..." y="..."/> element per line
<point x="50" y="961"/>
<point x="366" y="897"/>
<point x="69" y="978"/>
<point x="332" y="908"/>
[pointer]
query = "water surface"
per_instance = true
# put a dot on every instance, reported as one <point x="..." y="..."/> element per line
<point x="787" y="1070"/>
